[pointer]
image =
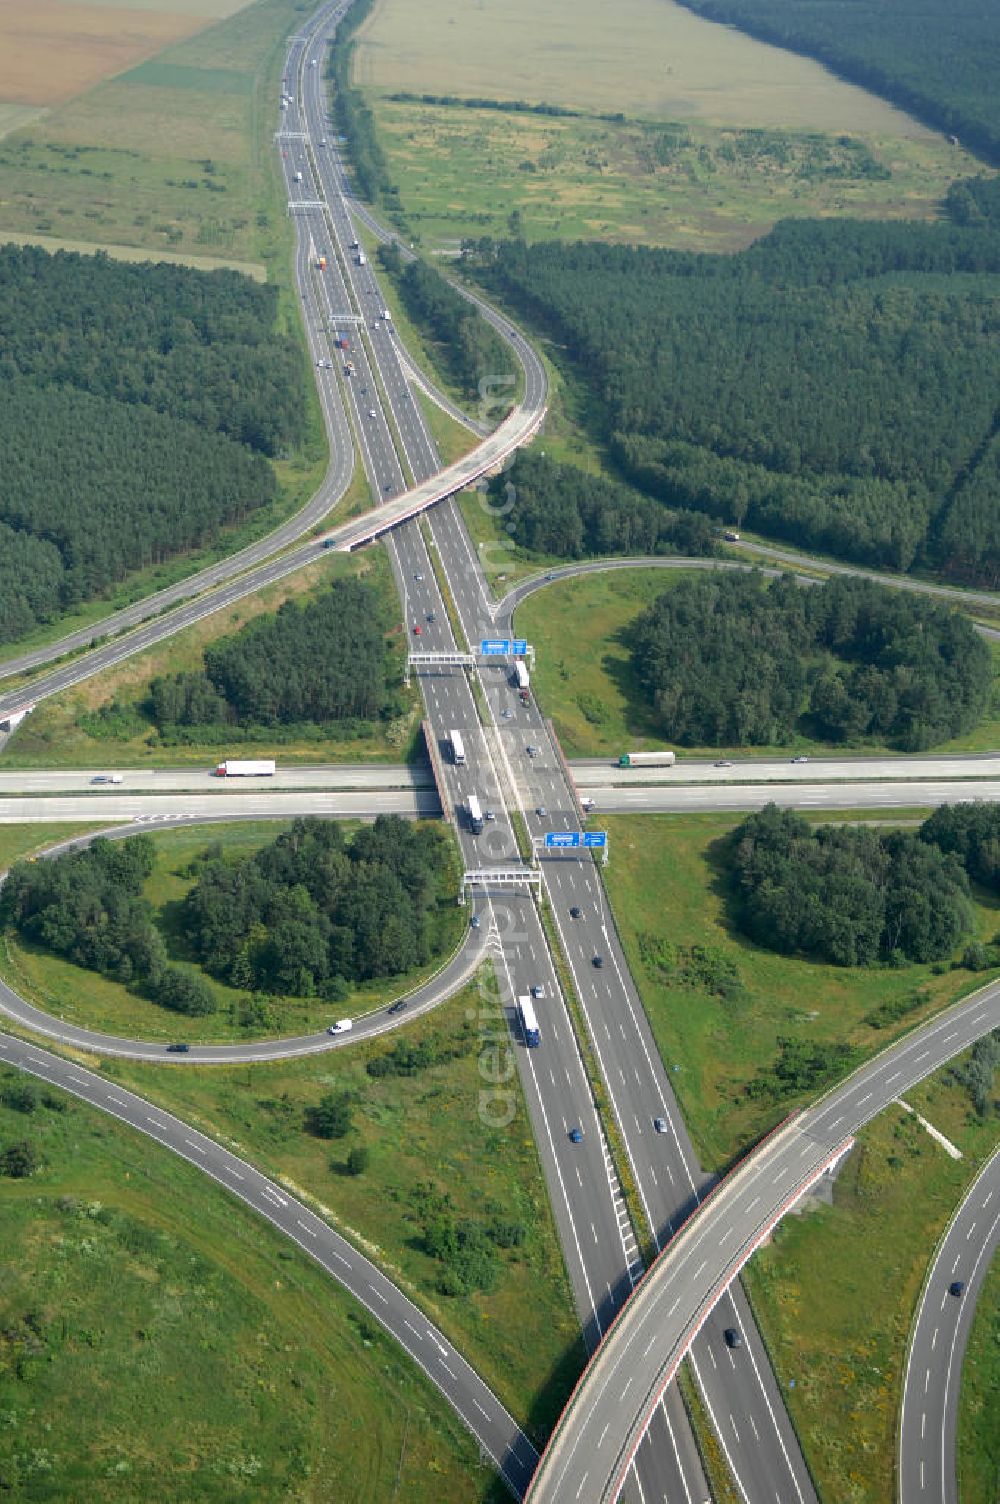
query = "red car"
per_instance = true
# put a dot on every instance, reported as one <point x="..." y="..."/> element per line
<point x="416" y="629"/>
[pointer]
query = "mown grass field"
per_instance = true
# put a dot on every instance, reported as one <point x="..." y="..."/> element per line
<point x="424" y="1131"/>
<point x="78" y="729"/>
<point x="50" y="51"/>
<point x="174" y="154"/>
<point x="667" y="882"/>
<point x="836" y="1290"/>
<point x="979" y="1408"/>
<point x="585" y="679"/>
<point x="160" y="1342"/>
<point x="85" y="998"/>
<point x="22" y="840"/>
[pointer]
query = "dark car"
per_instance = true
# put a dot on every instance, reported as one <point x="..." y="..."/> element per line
<point x="733" y="1338"/>
<point x="956" y="1287"/>
<point x="575" y="1135"/>
<point x="575" y="912"/>
<point x="598" y="961"/>
<point x="178" y="1049"/>
<point x="397" y="1006"/>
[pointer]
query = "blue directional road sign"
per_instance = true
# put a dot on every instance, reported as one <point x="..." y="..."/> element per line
<point x="595" y="838"/>
<point x="519" y="647"/>
<point x="495" y="647"/>
<point x="562" y="838"/>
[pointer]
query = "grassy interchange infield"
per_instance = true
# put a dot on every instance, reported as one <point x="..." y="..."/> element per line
<point x="62" y="732"/>
<point x="89" y="1000"/>
<point x="589" y="688"/>
<point x="156" y="1333"/>
<point x="425" y="1136"/>
<point x="836" y="1291"/>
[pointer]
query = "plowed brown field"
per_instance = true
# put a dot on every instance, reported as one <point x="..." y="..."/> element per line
<point x="51" y="50"/>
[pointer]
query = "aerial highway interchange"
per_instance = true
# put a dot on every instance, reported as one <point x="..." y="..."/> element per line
<point x="626" y="1433"/>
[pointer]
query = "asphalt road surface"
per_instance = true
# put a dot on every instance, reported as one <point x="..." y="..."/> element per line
<point x="928" y="1426"/>
<point x="621" y="1385"/>
<point x="588" y="774"/>
<point x="476" y="1405"/>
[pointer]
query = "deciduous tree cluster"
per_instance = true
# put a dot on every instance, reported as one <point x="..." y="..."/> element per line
<point x="736" y="660"/>
<point x="313" y="908"/>
<point x="846" y="894"/>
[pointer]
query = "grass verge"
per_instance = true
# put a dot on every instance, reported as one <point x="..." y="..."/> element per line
<point x="592" y="692"/>
<point x="979" y="1405"/>
<point x="105" y="718"/>
<point x="667" y="885"/>
<point x="836" y="1290"/>
<point x="155" y="1331"/>
<point x="436" y="1166"/>
<point x="92" y="1001"/>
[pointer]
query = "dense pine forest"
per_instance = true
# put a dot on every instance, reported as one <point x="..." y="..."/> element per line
<point x="735" y="660"/>
<point x="139" y="407"/>
<point x="939" y="61"/>
<point x="552" y="508"/>
<point x="835" y="385"/>
<point x="321" y="664"/>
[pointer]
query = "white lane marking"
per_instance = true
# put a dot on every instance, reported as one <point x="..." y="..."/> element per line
<point x="378" y="1294"/>
<point x="196" y="1147"/>
<point x="306" y="1228"/>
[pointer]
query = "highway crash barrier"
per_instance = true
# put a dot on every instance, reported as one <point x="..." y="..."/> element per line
<point x="545" y="1486"/>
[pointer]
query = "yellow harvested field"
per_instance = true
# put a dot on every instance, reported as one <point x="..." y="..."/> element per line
<point x="51" y="50"/>
<point x="51" y="243"/>
<point x="649" y="58"/>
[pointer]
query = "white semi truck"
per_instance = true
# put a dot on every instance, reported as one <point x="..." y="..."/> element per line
<point x="647" y="759"/>
<point x="234" y="768"/>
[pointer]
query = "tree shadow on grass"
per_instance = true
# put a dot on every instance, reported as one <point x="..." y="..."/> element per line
<point x="638" y="714"/>
<point x="169" y="920"/>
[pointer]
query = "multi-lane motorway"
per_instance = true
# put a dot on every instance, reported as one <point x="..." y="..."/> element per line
<point x="642" y="1352"/>
<point x="928" y="1425"/>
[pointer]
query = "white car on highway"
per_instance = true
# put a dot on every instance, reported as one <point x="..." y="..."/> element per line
<point x="342" y="1026"/>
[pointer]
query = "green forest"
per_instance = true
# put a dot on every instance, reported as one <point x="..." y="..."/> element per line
<point x="846" y="894"/>
<point x="834" y="385"/>
<point x="940" y="62"/>
<point x="315" y="910"/>
<point x="304" y="916"/>
<point x="738" y="660"/>
<point x="140" y="407"/>
<point x="88" y="906"/>
<point x="556" y="509"/>
<point x="328" y="661"/>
